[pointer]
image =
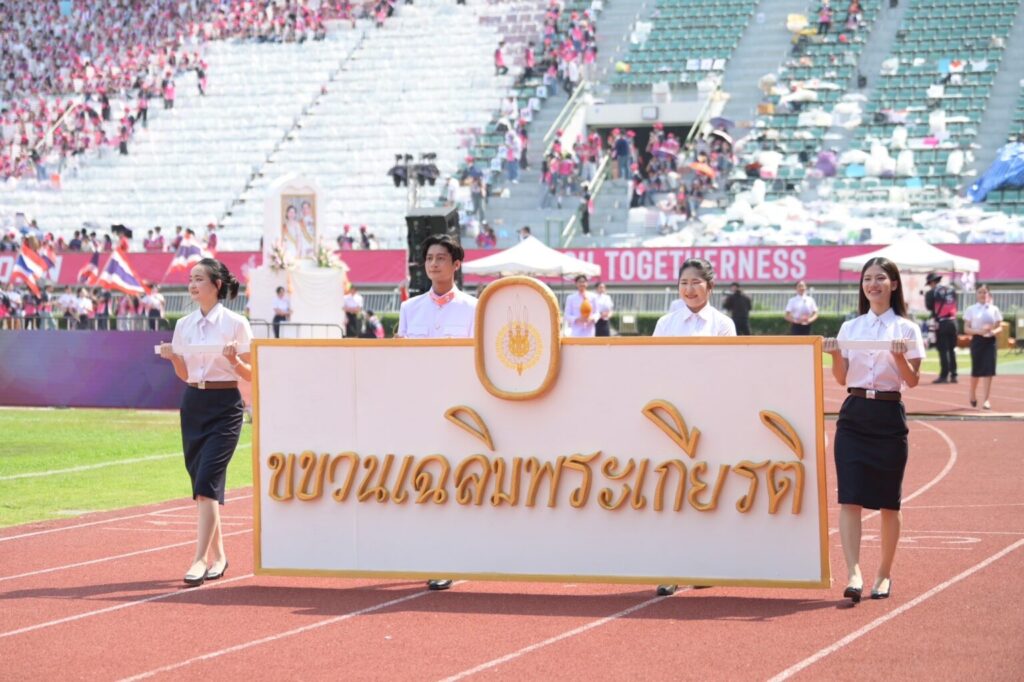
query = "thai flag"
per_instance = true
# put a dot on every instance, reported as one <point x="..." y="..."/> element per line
<point x="29" y="268"/>
<point x="49" y="256"/>
<point x="118" y="275"/>
<point x="90" y="272"/>
<point x="188" y="254"/>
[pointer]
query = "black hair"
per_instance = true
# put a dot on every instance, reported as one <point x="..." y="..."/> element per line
<point x="451" y="244"/>
<point x="579" y="277"/>
<point x="896" y="301"/>
<point x="278" y="290"/>
<point x="704" y="269"/>
<point x="219" y="273"/>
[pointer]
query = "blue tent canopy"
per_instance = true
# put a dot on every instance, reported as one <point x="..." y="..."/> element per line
<point x="1006" y="171"/>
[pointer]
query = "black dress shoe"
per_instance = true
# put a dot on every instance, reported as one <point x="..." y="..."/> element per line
<point x="853" y="594"/>
<point x="878" y="594"/>
<point x="195" y="580"/>
<point x="439" y="584"/>
<point x="941" y="380"/>
<point x="953" y="380"/>
<point x="667" y="590"/>
<point x="213" y="575"/>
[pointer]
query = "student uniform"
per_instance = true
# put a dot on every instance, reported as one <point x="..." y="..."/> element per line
<point x="801" y="307"/>
<point x="282" y="307"/>
<point x="429" y="316"/>
<point x="573" y="302"/>
<point x="708" y="321"/>
<point x="983" y="348"/>
<point x="871" y="434"/>
<point x="212" y="406"/>
<point x="604" y="305"/>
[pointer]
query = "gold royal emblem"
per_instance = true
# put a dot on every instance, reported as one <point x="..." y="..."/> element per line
<point x="519" y="343"/>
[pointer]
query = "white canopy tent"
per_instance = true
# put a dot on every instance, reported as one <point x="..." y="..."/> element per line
<point x="531" y="257"/>
<point x="912" y="254"/>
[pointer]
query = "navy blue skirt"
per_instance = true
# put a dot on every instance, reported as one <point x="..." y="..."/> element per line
<point x="871" y="452"/>
<point x="983" y="356"/>
<point x="211" y="423"/>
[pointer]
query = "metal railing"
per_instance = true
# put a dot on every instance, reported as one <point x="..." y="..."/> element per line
<point x="568" y="111"/>
<point x="261" y="329"/>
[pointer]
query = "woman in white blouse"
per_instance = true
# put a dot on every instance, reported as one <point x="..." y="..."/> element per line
<point x="871" y="434"/>
<point x="982" y="321"/>
<point x="212" y="406"/>
<point x="695" y="317"/>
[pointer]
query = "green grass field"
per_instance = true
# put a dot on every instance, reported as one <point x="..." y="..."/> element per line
<point x="133" y="457"/>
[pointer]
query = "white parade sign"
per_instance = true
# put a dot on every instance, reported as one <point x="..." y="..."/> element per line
<point x="522" y="456"/>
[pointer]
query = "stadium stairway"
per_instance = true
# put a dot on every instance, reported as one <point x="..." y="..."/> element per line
<point x="764" y="45"/>
<point x="522" y="206"/>
<point x="997" y="123"/>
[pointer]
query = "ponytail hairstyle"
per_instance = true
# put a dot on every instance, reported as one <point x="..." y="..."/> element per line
<point x="226" y="283"/>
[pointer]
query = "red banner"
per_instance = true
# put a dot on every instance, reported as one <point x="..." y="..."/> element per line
<point x="745" y="264"/>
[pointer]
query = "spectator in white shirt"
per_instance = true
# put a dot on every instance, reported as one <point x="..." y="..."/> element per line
<point x="353" y="305"/>
<point x="801" y="311"/>
<point x="282" y="311"/>
<point x="696" y="316"/>
<point x="605" y="306"/>
<point x="154" y="304"/>
<point x="581" y="310"/>
<point x="83" y="308"/>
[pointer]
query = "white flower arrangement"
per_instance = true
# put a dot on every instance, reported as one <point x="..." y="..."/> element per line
<point x="325" y="257"/>
<point x="278" y="259"/>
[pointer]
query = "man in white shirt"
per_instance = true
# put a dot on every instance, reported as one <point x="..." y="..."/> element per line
<point x="353" y="305"/>
<point x="442" y="312"/>
<point x="282" y="311"/>
<point x="582" y="319"/>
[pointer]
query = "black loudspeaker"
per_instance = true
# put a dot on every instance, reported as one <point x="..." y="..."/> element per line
<point x="421" y="223"/>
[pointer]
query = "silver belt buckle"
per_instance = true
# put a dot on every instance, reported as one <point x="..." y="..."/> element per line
<point x="202" y="387"/>
<point x="869" y="394"/>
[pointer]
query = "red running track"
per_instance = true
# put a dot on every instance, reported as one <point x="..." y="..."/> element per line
<point x="99" y="598"/>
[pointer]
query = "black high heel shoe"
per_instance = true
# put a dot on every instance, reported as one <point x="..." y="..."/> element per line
<point x="853" y="594"/>
<point x="213" y="575"/>
<point x="878" y="594"/>
<point x="195" y="580"/>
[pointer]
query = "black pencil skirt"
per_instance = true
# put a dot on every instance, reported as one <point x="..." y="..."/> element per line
<point x="983" y="356"/>
<point x="871" y="452"/>
<point x="211" y="423"/>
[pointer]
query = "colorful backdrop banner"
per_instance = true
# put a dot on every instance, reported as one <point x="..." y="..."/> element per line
<point x="86" y="369"/>
<point x="766" y="265"/>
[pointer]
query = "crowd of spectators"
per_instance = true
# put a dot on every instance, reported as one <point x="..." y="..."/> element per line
<point x="80" y="308"/>
<point x="66" y="66"/>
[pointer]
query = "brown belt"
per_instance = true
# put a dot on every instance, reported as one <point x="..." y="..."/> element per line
<point x="206" y="385"/>
<point x="872" y="394"/>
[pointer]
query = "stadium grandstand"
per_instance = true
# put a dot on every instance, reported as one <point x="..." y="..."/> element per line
<point x="601" y="125"/>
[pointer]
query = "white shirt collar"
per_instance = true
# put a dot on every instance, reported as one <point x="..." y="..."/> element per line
<point x="704" y="313"/>
<point x="886" y="318"/>
<point x="212" y="317"/>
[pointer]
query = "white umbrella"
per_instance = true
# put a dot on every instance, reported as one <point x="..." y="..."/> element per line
<point x="531" y="257"/>
<point x="912" y="254"/>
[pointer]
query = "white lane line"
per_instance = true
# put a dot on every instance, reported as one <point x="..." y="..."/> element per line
<point x="275" y="638"/>
<point x="552" y="640"/>
<point x="100" y="465"/>
<point x="117" y="607"/>
<point x="857" y="634"/>
<point x="110" y="520"/>
<point x="150" y="530"/>
<point x="101" y="560"/>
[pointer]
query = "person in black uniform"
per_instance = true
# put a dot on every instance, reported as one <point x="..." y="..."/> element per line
<point x="738" y="305"/>
<point x="871" y="433"/>
<point x="211" y="407"/>
<point x="941" y="302"/>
